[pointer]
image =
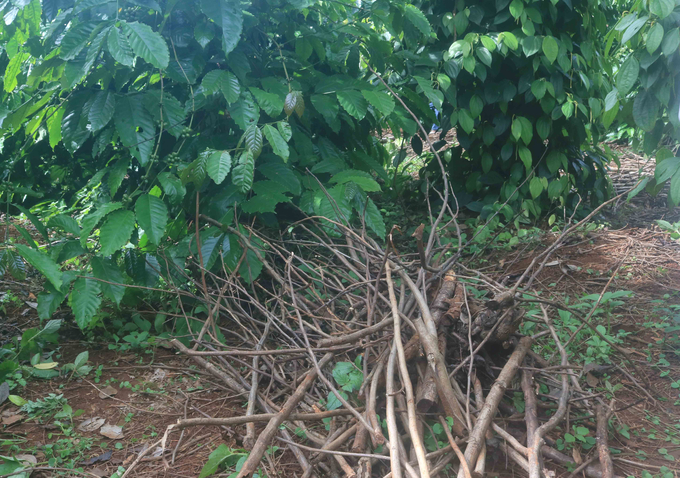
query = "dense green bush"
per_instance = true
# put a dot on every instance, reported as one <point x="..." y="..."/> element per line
<point x="646" y="43"/>
<point x="118" y="116"/>
<point x="528" y="83"/>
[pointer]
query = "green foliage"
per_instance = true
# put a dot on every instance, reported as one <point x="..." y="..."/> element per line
<point x="127" y="114"/>
<point x="646" y="93"/>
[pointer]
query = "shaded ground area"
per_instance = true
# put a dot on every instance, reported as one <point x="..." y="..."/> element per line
<point x="632" y="268"/>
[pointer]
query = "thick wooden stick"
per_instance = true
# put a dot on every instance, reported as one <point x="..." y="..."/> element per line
<point x="427" y="332"/>
<point x="263" y="417"/>
<point x="263" y="441"/>
<point x="602" y="446"/>
<point x="406" y="380"/>
<point x="496" y="393"/>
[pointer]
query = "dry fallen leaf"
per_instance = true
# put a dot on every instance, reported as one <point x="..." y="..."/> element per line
<point x="12" y="419"/>
<point x="113" y="432"/>
<point x="592" y="380"/>
<point x="91" y="424"/>
<point x="27" y="458"/>
<point x="107" y="392"/>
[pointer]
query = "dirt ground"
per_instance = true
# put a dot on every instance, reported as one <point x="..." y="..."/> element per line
<point x="154" y="386"/>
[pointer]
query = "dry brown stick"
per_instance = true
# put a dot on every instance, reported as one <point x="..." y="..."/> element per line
<point x="602" y="446"/>
<point x="263" y="417"/>
<point x="392" y="429"/>
<point x="371" y="414"/>
<point x="494" y="397"/>
<point x="405" y="379"/>
<point x="334" y="452"/>
<point x="463" y="463"/>
<point x="537" y="440"/>
<point x="583" y="466"/>
<point x="355" y="336"/>
<point x="510" y="439"/>
<point x="249" y="440"/>
<point x="530" y="405"/>
<point x="262" y="443"/>
<point x="427" y="333"/>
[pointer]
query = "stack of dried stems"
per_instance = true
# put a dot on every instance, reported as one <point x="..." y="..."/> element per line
<point x="429" y="353"/>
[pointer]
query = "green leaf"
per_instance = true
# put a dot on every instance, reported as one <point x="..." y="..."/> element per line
<point x="43" y="263"/>
<point x="488" y="42"/>
<point x="535" y="187"/>
<point x="380" y="100"/>
<point x="327" y="105"/>
<point x="116" y="231"/>
<point x="476" y="106"/>
<point x="276" y="141"/>
<point x="516" y="129"/>
<point x="353" y="102"/>
<point x="509" y="39"/>
<point x="633" y="29"/>
<point x="417" y="19"/>
<point x="203" y="33"/>
<point x="435" y="96"/>
<point x="670" y="43"/>
<point x="147" y="44"/>
<point x="646" y="110"/>
<point x="654" y="38"/>
<point x="54" y="117"/>
<point x="117" y="173"/>
<point x="76" y="39"/>
<point x="13" y="69"/>
<point x="661" y="8"/>
<point x="119" y="47"/>
<point x="85" y="301"/>
<point x="525" y="156"/>
<point x="465" y="120"/>
<point x="531" y="45"/>
<point x="361" y="178"/>
<point x="484" y="55"/>
<point x="93" y="218"/>
<point x="218" y="166"/>
<point x="152" y="216"/>
<point x="216" y="458"/>
<point x="135" y="126"/>
<point x="550" y="48"/>
<point x="242" y="174"/>
<point x="109" y="273"/>
<point x="627" y="75"/>
<point x="253" y="138"/>
<point x="67" y="223"/>
<point x="14" y="264"/>
<point x="229" y="87"/>
<point x="516" y="8"/>
<point x="227" y="14"/>
<point x="172" y="186"/>
<point x="245" y="111"/>
<point x="271" y="103"/>
<point x="538" y="88"/>
<point x="543" y="127"/>
<point x="49" y="302"/>
<point x="285" y="130"/>
<point x="102" y="109"/>
<point x="196" y="171"/>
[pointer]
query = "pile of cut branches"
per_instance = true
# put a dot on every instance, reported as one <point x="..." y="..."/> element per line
<point x="340" y="323"/>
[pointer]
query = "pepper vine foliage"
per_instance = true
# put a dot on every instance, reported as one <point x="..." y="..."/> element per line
<point x="646" y="41"/>
<point x="118" y="116"/>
